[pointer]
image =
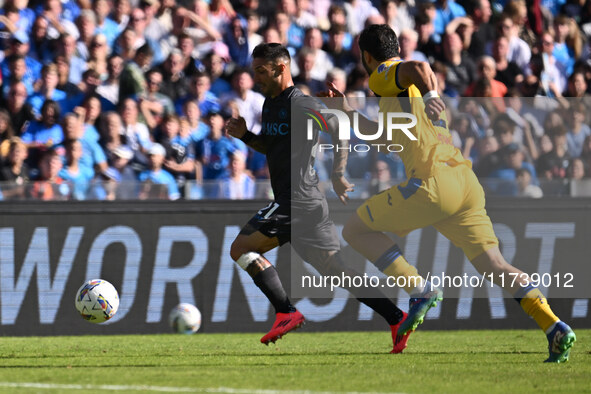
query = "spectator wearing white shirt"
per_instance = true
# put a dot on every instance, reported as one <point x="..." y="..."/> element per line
<point x="136" y="134"/>
<point x="552" y="79"/>
<point x="109" y="89"/>
<point x="357" y="13"/>
<point x="154" y="29"/>
<point x="120" y="14"/>
<point x="250" y="103"/>
<point x="397" y="16"/>
<point x="313" y="40"/>
<point x="253" y="25"/>
<point x="303" y="17"/>
<point x="519" y="51"/>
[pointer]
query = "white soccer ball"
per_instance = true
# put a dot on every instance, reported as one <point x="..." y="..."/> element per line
<point x="185" y="319"/>
<point x="97" y="301"/>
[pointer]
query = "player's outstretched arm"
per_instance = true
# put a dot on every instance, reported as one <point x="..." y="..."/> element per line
<point x="236" y="127"/>
<point x="340" y="184"/>
<point x="421" y="75"/>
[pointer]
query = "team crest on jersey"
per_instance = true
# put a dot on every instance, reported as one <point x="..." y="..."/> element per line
<point x="384" y="68"/>
<point x="282" y="113"/>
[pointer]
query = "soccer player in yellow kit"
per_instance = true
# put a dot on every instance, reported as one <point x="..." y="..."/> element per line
<point x="441" y="191"/>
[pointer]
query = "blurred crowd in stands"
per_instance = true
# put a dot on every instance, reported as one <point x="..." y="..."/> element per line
<point x="107" y="99"/>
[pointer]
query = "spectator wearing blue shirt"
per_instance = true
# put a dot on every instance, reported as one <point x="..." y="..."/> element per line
<point x="155" y="176"/>
<point x="79" y="176"/>
<point x="67" y="48"/>
<point x="44" y="134"/>
<point x="90" y="82"/>
<point x="445" y="12"/>
<point x="578" y="130"/>
<point x="215" y="66"/>
<point x="17" y="73"/>
<point x="120" y="13"/>
<point x="562" y="52"/>
<point x="19" y="45"/>
<point x="198" y="129"/>
<point x="90" y="112"/>
<point x="256" y="163"/>
<point x="239" y="185"/>
<point x="48" y="89"/>
<point x="40" y="45"/>
<point x="236" y="38"/>
<point x="214" y="151"/>
<point x="26" y="16"/>
<point x="199" y="91"/>
<point x="553" y="5"/>
<point x="93" y="156"/>
<point x="104" y="24"/>
<point x="513" y="159"/>
<point x="47" y="132"/>
<point x="293" y="33"/>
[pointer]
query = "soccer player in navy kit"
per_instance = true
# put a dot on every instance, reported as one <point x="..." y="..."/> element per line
<point x="299" y="212"/>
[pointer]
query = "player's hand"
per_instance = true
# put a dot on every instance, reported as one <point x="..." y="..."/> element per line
<point x="434" y="107"/>
<point x="333" y="92"/>
<point x="236" y="127"/>
<point x="341" y="186"/>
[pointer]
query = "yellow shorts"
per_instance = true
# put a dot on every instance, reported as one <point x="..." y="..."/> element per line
<point x="452" y="201"/>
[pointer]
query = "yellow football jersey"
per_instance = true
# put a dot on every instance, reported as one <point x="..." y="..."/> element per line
<point x="434" y="146"/>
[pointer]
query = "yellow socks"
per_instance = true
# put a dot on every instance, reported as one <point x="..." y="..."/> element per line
<point x="393" y="263"/>
<point x="536" y="305"/>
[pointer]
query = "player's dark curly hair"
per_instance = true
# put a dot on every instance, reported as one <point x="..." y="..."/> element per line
<point x="379" y="41"/>
<point x="271" y="52"/>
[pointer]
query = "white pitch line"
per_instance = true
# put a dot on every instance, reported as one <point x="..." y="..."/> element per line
<point x="226" y="390"/>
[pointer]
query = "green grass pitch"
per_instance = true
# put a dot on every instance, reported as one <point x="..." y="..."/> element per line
<point x="435" y="362"/>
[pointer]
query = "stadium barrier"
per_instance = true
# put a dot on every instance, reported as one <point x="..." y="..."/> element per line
<point x="99" y="190"/>
<point x="160" y="253"/>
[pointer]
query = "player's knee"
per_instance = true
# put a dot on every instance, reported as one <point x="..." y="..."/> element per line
<point x="253" y="263"/>
<point x="322" y="260"/>
<point x="491" y="261"/>
<point x="237" y="249"/>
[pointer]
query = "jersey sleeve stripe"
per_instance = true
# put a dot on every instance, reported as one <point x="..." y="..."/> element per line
<point x="396" y="77"/>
